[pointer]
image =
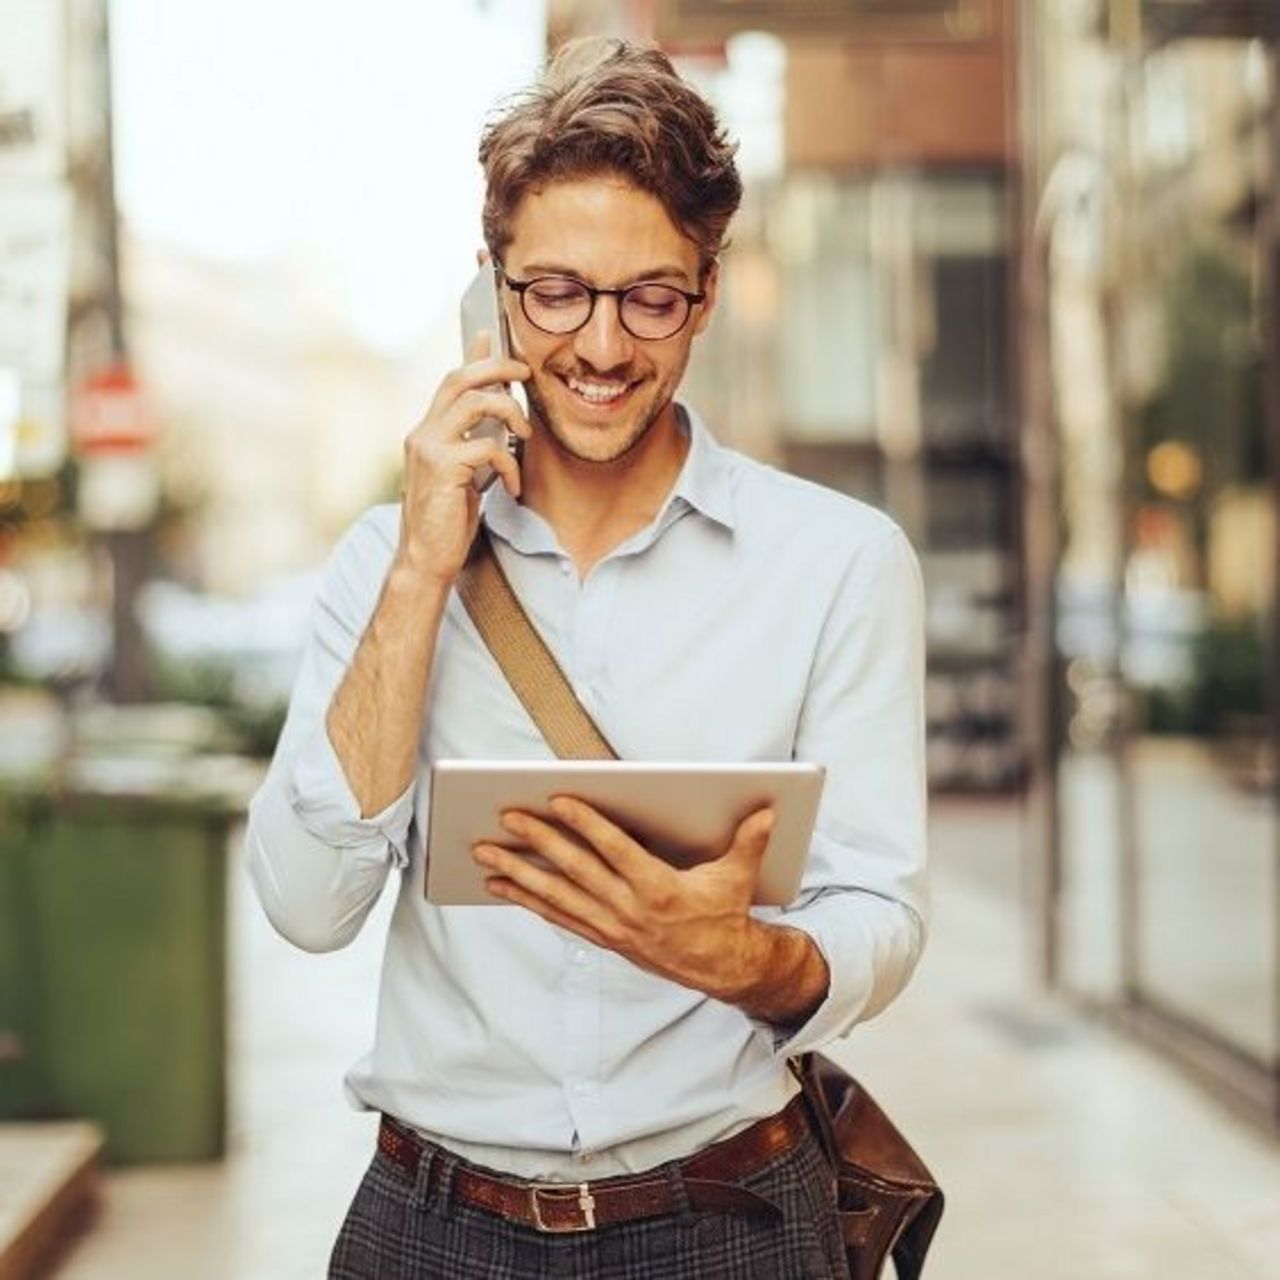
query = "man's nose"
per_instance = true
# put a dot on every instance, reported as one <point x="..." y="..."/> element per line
<point x="602" y="342"/>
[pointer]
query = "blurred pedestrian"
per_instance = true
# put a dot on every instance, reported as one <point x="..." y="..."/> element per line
<point x="595" y="1082"/>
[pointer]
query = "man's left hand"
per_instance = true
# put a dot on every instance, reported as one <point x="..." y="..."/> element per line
<point x="691" y="925"/>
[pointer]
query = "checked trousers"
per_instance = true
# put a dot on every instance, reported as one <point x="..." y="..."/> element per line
<point x="393" y="1231"/>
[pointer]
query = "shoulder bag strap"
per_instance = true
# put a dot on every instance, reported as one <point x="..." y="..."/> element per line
<point x="530" y="667"/>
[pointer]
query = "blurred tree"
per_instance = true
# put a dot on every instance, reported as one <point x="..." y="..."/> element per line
<point x="1211" y="394"/>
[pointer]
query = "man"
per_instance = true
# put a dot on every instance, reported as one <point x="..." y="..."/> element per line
<point x="614" y="1045"/>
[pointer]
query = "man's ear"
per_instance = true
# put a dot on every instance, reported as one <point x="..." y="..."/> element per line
<point x="482" y="256"/>
<point x="711" y="287"/>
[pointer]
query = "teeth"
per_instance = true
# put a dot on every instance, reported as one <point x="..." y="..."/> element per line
<point x="599" y="392"/>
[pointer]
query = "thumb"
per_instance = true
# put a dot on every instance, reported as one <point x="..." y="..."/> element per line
<point x="752" y="836"/>
<point x="479" y="347"/>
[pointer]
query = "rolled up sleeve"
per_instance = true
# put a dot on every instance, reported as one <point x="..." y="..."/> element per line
<point x="863" y="899"/>
<point x="322" y="798"/>
<point x="318" y="866"/>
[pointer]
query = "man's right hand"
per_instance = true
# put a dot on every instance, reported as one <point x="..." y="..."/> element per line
<point x="441" y="507"/>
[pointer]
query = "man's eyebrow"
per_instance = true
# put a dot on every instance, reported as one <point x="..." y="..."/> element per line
<point x="662" y="272"/>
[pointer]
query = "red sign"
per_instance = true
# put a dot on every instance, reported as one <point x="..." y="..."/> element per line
<point x="109" y="414"/>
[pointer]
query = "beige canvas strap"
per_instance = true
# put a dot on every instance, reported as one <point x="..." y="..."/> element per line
<point x="525" y="660"/>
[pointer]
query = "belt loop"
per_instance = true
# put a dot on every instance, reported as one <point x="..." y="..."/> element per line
<point x="421" y="1193"/>
<point x="447" y="1164"/>
<point x="679" y="1192"/>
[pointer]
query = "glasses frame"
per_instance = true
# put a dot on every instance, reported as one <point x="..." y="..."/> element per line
<point x="520" y="288"/>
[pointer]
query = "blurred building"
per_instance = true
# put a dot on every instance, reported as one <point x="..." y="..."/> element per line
<point x="1151" y="431"/>
<point x="60" y="325"/>
<point x="279" y="426"/>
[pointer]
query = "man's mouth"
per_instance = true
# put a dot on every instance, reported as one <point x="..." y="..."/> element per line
<point x="598" y="392"/>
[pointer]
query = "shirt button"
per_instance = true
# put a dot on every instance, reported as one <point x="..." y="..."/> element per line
<point x="582" y="1088"/>
<point x="580" y="955"/>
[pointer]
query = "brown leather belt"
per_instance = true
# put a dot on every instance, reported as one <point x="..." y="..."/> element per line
<point x="708" y="1179"/>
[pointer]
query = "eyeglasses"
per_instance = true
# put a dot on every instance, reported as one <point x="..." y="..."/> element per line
<point x="562" y="305"/>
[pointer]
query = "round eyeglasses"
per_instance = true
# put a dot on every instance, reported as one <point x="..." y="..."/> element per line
<point x="562" y="305"/>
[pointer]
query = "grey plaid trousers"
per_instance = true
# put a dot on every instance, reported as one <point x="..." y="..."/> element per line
<point x="393" y="1232"/>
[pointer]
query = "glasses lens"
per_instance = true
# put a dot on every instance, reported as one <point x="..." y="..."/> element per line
<point x="557" y="305"/>
<point x="654" y="310"/>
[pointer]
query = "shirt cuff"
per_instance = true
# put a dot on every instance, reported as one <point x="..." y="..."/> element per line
<point x="870" y="944"/>
<point x="322" y="798"/>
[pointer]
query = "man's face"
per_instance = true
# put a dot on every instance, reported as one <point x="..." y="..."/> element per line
<point x="599" y="390"/>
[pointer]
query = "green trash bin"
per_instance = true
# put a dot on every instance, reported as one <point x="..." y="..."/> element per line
<point x="33" y="737"/>
<point x="24" y="1090"/>
<point x="122" y="877"/>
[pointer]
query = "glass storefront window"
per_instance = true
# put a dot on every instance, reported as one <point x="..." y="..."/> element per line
<point x="1168" y="898"/>
<point x="1199" y="593"/>
<point x="829" y="328"/>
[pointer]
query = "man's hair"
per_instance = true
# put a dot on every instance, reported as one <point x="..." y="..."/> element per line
<point x="604" y="106"/>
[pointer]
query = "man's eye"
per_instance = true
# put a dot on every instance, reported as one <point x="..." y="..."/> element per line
<point x="654" y="300"/>
<point x="557" y="294"/>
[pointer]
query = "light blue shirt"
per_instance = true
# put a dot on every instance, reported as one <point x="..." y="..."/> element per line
<point x="759" y="617"/>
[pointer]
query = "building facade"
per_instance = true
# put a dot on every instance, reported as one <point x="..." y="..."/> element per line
<point x="1151" y="365"/>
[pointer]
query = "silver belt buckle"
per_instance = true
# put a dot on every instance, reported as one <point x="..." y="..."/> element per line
<point x="586" y="1202"/>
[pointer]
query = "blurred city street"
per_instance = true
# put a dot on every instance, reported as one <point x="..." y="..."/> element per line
<point x="1065" y="1151"/>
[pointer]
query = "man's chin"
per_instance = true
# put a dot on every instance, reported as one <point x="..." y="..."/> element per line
<point x="600" y="441"/>
<point x="595" y="443"/>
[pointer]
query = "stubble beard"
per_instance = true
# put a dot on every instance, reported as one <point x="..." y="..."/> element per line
<point x="563" y="442"/>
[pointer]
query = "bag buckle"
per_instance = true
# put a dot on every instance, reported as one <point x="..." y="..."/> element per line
<point x="585" y="1203"/>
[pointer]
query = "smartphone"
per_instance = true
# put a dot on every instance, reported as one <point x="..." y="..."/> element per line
<point x="482" y="309"/>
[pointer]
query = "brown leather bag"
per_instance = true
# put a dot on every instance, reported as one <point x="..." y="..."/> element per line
<point x="888" y="1202"/>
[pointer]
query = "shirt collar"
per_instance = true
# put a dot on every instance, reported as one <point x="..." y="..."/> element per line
<point x="704" y="481"/>
<point x="704" y="484"/>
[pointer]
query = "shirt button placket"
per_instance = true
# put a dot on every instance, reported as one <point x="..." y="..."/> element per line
<point x="582" y="1036"/>
<point x="582" y="978"/>
<point x="571" y="614"/>
<point x="591" y="638"/>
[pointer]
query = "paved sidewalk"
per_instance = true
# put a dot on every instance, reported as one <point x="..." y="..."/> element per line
<point x="1066" y="1152"/>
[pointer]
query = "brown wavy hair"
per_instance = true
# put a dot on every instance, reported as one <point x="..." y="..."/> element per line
<point x="605" y="106"/>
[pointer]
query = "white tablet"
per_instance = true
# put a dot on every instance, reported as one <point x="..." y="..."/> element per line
<point x="685" y="813"/>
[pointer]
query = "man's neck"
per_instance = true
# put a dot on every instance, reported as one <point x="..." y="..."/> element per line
<point x="595" y="507"/>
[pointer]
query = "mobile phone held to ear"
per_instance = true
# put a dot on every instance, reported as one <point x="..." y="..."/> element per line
<point x="482" y="309"/>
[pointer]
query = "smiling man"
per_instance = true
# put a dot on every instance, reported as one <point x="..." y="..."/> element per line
<point x="594" y="1082"/>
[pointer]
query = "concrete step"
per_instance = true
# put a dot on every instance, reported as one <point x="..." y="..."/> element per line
<point x="48" y="1192"/>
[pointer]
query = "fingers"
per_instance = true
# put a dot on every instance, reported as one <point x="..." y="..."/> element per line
<point x="582" y="861"/>
<point x="613" y="844"/>
<point x="482" y="369"/>
<point x="474" y="406"/>
<point x="475" y="454"/>
<point x="490" y="373"/>
<point x="454" y="423"/>
<point x="558" y="891"/>
<point x="454" y="457"/>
